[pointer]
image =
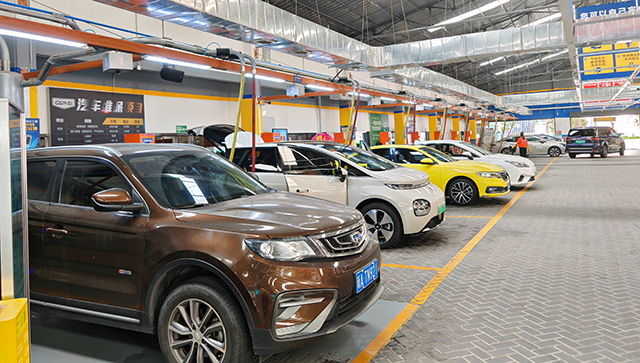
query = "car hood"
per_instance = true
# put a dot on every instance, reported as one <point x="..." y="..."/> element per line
<point x="476" y="165"/>
<point x="401" y="175"/>
<point x="496" y="158"/>
<point x="275" y="215"/>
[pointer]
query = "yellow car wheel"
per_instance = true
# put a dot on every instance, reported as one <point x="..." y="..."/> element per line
<point x="462" y="191"/>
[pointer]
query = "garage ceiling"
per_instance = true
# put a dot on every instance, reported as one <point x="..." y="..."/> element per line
<point x="385" y="22"/>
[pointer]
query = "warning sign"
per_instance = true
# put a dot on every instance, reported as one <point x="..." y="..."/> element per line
<point x="598" y="64"/>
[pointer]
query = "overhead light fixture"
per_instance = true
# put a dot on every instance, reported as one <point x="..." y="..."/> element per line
<point x="532" y="62"/>
<point x="319" y="88"/>
<point x="163" y="60"/>
<point x="388" y="99"/>
<point x="41" y="38"/>
<point x="491" y="61"/>
<point x="265" y="78"/>
<point x="408" y="102"/>
<point x="362" y="95"/>
<point x="469" y="14"/>
<point x="555" y="55"/>
<point x="545" y="19"/>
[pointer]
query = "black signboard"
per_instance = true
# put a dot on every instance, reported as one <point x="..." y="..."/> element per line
<point x="80" y="117"/>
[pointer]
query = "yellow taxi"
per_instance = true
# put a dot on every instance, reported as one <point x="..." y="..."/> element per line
<point x="463" y="181"/>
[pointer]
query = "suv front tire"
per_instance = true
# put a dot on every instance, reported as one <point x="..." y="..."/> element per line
<point x="200" y="319"/>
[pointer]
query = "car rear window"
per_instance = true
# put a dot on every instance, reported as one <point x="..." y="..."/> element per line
<point x="581" y="132"/>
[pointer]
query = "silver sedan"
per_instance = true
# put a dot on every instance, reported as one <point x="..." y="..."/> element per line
<point x="537" y="146"/>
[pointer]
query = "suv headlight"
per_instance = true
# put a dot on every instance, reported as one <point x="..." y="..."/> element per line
<point x="284" y="249"/>
<point x="517" y="164"/>
<point x="489" y="174"/>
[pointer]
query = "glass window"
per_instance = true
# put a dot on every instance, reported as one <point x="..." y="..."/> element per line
<point x="475" y="149"/>
<point x="186" y="179"/>
<point x="605" y="132"/>
<point x="581" y="133"/>
<point x="437" y="155"/>
<point x="383" y="152"/>
<point x="38" y="177"/>
<point x="361" y="157"/>
<point x="532" y="139"/>
<point x="266" y="160"/>
<point x="305" y="161"/>
<point x="84" y="178"/>
<point x="409" y="156"/>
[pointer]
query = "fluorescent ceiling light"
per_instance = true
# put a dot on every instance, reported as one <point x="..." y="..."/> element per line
<point x="471" y="13"/>
<point x="555" y="54"/>
<point x="491" y="61"/>
<point x="531" y="63"/>
<point x="319" y="88"/>
<point x="362" y="95"/>
<point x="546" y="19"/>
<point x="408" y="102"/>
<point x="265" y="78"/>
<point x="154" y="58"/>
<point x="41" y="38"/>
<point x="388" y="99"/>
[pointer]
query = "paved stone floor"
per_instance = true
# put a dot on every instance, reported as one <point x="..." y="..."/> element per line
<point x="555" y="280"/>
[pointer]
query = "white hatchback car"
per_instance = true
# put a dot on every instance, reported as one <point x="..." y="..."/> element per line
<point x="394" y="200"/>
<point x="521" y="170"/>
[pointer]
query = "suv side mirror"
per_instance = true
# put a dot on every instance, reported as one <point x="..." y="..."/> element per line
<point x="427" y="161"/>
<point x="114" y="200"/>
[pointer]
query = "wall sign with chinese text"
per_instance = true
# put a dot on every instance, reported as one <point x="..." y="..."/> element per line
<point x="79" y="117"/>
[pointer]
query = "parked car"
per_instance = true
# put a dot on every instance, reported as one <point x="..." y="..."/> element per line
<point x="545" y="136"/>
<point x="594" y="140"/>
<point x="521" y="170"/>
<point x="537" y="146"/>
<point x="394" y="201"/>
<point x="463" y="181"/>
<point x="175" y="240"/>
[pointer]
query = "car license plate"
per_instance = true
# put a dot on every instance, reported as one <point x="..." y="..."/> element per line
<point x="442" y="208"/>
<point x="580" y="142"/>
<point x="366" y="276"/>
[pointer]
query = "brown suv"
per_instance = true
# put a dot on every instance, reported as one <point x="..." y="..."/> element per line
<point x="174" y="240"/>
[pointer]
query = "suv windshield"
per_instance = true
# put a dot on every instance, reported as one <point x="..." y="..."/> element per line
<point x="183" y="179"/>
<point x="439" y="156"/>
<point x="581" y="132"/>
<point x="361" y="157"/>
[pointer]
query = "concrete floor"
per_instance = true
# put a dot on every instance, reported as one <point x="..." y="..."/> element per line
<point x="555" y="279"/>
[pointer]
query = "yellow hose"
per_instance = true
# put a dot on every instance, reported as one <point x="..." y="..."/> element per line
<point x="235" y="132"/>
<point x="406" y="122"/>
<point x="353" y="105"/>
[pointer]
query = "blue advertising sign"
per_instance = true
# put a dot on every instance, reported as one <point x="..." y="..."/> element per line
<point x="33" y="133"/>
<point x="593" y="11"/>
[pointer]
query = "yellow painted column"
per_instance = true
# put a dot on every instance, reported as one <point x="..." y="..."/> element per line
<point x="474" y="130"/>
<point x="433" y="126"/>
<point x="398" y="118"/>
<point x="246" y="113"/>
<point x="345" y="111"/>
<point x="455" y="126"/>
<point x="33" y="102"/>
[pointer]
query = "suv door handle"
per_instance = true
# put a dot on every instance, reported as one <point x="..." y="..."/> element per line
<point x="57" y="231"/>
<point x="302" y="190"/>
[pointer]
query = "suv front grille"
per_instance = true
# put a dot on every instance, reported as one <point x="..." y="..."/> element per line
<point x="345" y="242"/>
<point x="504" y="176"/>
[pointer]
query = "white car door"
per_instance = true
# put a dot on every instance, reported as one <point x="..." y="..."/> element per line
<point x="268" y="170"/>
<point x="313" y="173"/>
<point x="536" y="146"/>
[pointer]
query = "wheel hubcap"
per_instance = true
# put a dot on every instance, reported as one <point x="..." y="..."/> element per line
<point x="196" y="333"/>
<point x="380" y="224"/>
<point x="461" y="192"/>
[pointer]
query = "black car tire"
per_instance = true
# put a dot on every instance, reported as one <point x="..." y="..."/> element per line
<point x="222" y="324"/>
<point x="381" y="217"/>
<point x="604" y="152"/>
<point x="572" y="155"/>
<point x="462" y="191"/>
<point x="622" y="150"/>
<point x="554" y="151"/>
<point x="593" y="155"/>
<point x="506" y="150"/>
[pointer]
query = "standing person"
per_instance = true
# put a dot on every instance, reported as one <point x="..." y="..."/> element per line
<point x="523" y="144"/>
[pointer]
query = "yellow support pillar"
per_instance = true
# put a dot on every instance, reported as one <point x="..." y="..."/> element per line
<point x="14" y="331"/>
<point x="345" y="111"/>
<point x="433" y="126"/>
<point x="246" y="113"/>
<point x="455" y="126"/>
<point x="474" y="131"/>
<point x="398" y="118"/>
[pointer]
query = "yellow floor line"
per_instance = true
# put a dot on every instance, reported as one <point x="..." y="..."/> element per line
<point x="448" y="216"/>
<point x="411" y="267"/>
<point x="403" y="317"/>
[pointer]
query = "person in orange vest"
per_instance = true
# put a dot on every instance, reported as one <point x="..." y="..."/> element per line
<point x="523" y="144"/>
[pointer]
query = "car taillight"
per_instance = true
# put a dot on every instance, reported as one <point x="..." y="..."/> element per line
<point x="593" y="139"/>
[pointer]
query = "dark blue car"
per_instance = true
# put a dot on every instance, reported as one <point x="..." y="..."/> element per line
<point x="594" y="140"/>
